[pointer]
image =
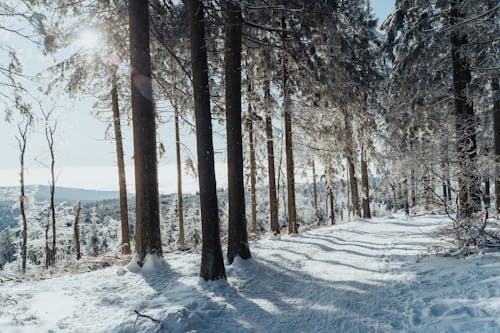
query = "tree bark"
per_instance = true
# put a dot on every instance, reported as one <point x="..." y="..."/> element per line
<point x="465" y="124"/>
<point x="237" y="242"/>
<point x="290" y="172"/>
<point x="76" y="231"/>
<point x="147" y="231"/>
<point x="496" y="129"/>
<point x="180" y="201"/>
<point x="273" y="204"/>
<point x="365" y="200"/>
<point x="212" y="263"/>
<point x="121" y="166"/>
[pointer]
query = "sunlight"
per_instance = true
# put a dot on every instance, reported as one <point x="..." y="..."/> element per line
<point x="88" y="38"/>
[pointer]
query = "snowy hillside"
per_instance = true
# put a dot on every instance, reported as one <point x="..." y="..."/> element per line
<point x="377" y="276"/>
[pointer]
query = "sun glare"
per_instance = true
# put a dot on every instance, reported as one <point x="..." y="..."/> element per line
<point x="88" y="38"/>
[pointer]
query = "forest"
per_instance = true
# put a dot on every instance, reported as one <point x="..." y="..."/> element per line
<point x="343" y="168"/>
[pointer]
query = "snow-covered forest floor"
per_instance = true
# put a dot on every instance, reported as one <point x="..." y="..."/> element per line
<point x="365" y="276"/>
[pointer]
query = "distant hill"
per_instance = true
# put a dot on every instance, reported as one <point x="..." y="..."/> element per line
<point x="42" y="193"/>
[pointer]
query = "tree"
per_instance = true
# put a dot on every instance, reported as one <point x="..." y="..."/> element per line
<point x="121" y="164"/>
<point x="180" y="205"/>
<point x="50" y="129"/>
<point x="212" y="263"/>
<point x="273" y="203"/>
<point x="287" y="110"/>
<point x="76" y="230"/>
<point x="365" y="199"/>
<point x="237" y="243"/>
<point x="465" y="124"/>
<point x="21" y="141"/>
<point x="147" y="229"/>
<point x="496" y="126"/>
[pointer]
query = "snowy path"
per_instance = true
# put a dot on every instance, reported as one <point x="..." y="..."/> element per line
<point x="354" y="277"/>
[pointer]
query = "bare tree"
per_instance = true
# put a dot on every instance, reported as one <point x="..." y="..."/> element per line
<point x="76" y="230"/>
<point x="121" y="164"/>
<point x="50" y="129"/>
<point x="21" y="142"/>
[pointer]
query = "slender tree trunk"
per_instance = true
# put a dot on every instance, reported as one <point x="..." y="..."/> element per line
<point x="147" y="231"/>
<point x="237" y="242"/>
<point x="413" y="189"/>
<point x="348" y="177"/>
<point x="407" y="203"/>
<point x="496" y="129"/>
<point x="76" y="231"/>
<point x="252" y="169"/>
<point x="22" y="139"/>
<point x="465" y="124"/>
<point x="332" y="205"/>
<point x="49" y="136"/>
<point x="352" y="169"/>
<point x="315" y="190"/>
<point x="180" y="202"/>
<point x="273" y="204"/>
<point x="365" y="186"/>
<point x="121" y="166"/>
<point x="212" y="263"/>
<point x="47" y="246"/>
<point x="394" y="199"/>
<point x="290" y="172"/>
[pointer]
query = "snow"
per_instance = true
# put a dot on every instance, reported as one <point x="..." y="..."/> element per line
<point x="363" y="276"/>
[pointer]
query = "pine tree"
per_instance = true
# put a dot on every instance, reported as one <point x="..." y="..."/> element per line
<point x="147" y="230"/>
<point x="212" y="263"/>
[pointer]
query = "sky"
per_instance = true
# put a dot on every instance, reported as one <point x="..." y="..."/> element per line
<point x="80" y="141"/>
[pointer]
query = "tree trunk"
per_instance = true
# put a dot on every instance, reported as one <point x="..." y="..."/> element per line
<point x="465" y="124"/>
<point x="252" y="169"/>
<point x="49" y="136"/>
<point x="496" y="129"/>
<point x="47" y="246"/>
<point x="121" y="166"/>
<point x="315" y="190"/>
<point x="76" y="231"/>
<point x="332" y="205"/>
<point x="407" y="204"/>
<point x="290" y="172"/>
<point x="365" y="186"/>
<point x="237" y="242"/>
<point x="394" y="199"/>
<point x="352" y="170"/>
<point x="180" y="202"/>
<point x="413" y="189"/>
<point x="147" y="230"/>
<point x="212" y="263"/>
<point x="348" y="176"/>
<point x="22" y="149"/>
<point x="273" y="204"/>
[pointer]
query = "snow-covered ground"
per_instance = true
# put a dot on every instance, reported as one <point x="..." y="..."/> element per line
<point x="354" y="277"/>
